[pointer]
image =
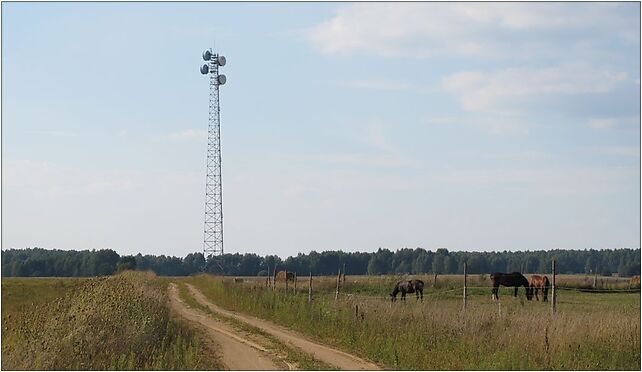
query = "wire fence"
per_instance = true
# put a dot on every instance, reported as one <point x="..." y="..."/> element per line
<point x="439" y="293"/>
<point x="531" y="290"/>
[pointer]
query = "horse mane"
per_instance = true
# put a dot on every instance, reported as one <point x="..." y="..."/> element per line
<point x="524" y="281"/>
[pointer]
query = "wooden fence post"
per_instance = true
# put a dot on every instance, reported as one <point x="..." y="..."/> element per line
<point x="295" y="279"/>
<point x="310" y="288"/>
<point x="286" y="282"/>
<point x="434" y="283"/>
<point x="267" y="278"/>
<point x="274" y="279"/>
<point x="344" y="273"/>
<point x="554" y="294"/>
<point x="336" y="294"/>
<point x="465" y="282"/>
<point x="595" y="278"/>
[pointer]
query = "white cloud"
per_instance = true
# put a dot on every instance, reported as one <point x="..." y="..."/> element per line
<point x="187" y="135"/>
<point x="602" y="123"/>
<point x="501" y="90"/>
<point x="374" y="135"/>
<point x="554" y="182"/>
<point x="470" y="29"/>
<point x="45" y="179"/>
<point x="382" y="153"/>
<point x="377" y="84"/>
<point x="503" y="123"/>
<point x="613" y="122"/>
<point x="627" y="151"/>
<point x="53" y="133"/>
<point x="378" y="160"/>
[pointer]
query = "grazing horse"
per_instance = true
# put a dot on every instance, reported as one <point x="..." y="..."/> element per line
<point x="408" y="286"/>
<point x="540" y="283"/>
<point x="513" y="279"/>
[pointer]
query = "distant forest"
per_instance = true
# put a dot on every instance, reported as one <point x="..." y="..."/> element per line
<point x="44" y="262"/>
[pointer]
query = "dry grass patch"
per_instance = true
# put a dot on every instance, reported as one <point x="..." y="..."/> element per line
<point x="119" y="322"/>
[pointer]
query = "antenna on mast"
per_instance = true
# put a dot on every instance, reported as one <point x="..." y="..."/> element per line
<point x="213" y="240"/>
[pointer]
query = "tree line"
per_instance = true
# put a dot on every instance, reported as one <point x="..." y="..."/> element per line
<point x="39" y="262"/>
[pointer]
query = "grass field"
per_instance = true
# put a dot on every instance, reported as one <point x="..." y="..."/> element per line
<point x="589" y="331"/>
<point x="119" y="322"/>
<point x="123" y="322"/>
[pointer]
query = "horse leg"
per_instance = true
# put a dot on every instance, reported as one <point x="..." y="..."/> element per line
<point x="421" y="292"/>
<point x="403" y="296"/>
<point x="494" y="295"/>
<point x="516" y="288"/>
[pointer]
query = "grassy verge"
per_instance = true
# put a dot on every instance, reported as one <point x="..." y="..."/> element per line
<point x="590" y="331"/>
<point x="108" y="323"/>
<point x="302" y="360"/>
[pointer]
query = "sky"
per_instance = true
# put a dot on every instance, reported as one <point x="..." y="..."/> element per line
<point x="352" y="126"/>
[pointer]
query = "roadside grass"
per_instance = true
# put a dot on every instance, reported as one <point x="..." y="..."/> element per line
<point x="108" y="323"/>
<point x="303" y="360"/>
<point x="590" y="331"/>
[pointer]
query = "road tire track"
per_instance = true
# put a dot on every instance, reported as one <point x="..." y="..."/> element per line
<point x="236" y="352"/>
<point x="324" y="353"/>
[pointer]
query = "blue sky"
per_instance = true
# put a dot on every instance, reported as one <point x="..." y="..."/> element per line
<point x="471" y="126"/>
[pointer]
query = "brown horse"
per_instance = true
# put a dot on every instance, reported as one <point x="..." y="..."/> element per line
<point x="408" y="286"/>
<point x="513" y="279"/>
<point x="540" y="283"/>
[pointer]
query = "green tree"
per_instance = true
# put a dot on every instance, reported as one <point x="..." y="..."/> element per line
<point x="126" y="263"/>
<point x="438" y="264"/>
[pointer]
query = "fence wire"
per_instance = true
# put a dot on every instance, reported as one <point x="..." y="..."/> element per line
<point x="461" y="289"/>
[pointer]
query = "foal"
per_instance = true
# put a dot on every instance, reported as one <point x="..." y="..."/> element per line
<point x="540" y="283"/>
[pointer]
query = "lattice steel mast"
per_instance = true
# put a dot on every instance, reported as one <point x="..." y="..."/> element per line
<point x="213" y="241"/>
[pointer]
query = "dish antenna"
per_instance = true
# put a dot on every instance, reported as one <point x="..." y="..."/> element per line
<point x="221" y="79"/>
<point x="205" y="69"/>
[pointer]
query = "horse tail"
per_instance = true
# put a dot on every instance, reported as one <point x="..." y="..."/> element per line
<point x="547" y="284"/>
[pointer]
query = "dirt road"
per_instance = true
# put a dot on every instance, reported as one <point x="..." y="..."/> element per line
<point x="321" y="352"/>
<point x="236" y="352"/>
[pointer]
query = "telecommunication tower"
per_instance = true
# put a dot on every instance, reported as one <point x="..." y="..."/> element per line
<point x="213" y="242"/>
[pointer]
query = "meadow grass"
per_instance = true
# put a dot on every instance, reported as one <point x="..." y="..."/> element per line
<point x="19" y="292"/>
<point x="589" y="331"/>
<point x="117" y="323"/>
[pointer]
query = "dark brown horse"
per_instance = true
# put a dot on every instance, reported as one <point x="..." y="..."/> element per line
<point x="408" y="286"/>
<point x="540" y="283"/>
<point x="513" y="279"/>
